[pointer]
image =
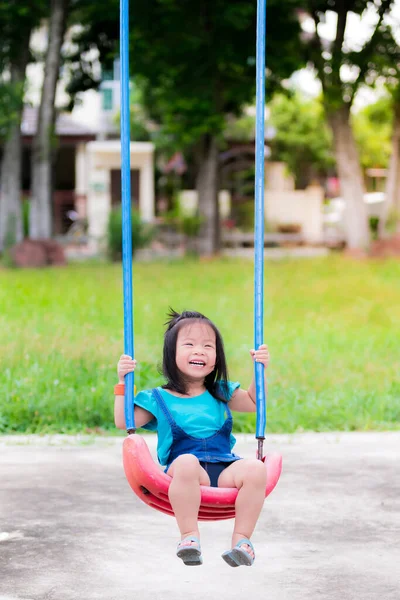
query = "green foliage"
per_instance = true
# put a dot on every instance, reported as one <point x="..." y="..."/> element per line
<point x="17" y="19"/>
<point x="196" y="62"/>
<point x="373" y="226"/>
<point x="372" y="128"/>
<point x="138" y="129"/>
<point x="303" y="140"/>
<point x="139" y="126"/>
<point x="243" y="214"/>
<point x="185" y="223"/>
<point x="241" y="129"/>
<point x="392" y="221"/>
<point x="142" y="233"/>
<point x="209" y="68"/>
<point x="10" y="101"/>
<point x="190" y="225"/>
<point x="331" y="325"/>
<point x="25" y="217"/>
<point x="211" y="71"/>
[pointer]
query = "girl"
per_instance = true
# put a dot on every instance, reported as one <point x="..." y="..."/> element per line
<point x="194" y="437"/>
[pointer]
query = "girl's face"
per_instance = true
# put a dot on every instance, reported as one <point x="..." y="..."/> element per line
<point x="196" y="351"/>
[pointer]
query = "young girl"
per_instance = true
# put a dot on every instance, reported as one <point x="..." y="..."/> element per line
<point x="195" y="438"/>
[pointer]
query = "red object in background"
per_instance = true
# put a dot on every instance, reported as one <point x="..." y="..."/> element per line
<point x="229" y="223"/>
<point x="38" y="253"/>
<point x="332" y="187"/>
<point x="151" y="484"/>
<point x="176" y="163"/>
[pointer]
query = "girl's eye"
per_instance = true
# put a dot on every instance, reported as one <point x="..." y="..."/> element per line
<point x="209" y="346"/>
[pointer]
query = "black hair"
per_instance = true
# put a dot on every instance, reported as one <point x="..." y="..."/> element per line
<point x="216" y="382"/>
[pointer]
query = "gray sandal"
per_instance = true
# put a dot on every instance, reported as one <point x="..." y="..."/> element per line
<point x="191" y="555"/>
<point x="237" y="556"/>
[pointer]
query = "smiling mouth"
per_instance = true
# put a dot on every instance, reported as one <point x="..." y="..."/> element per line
<point x="197" y="363"/>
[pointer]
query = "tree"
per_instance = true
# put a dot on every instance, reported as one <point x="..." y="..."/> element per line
<point x="197" y="63"/>
<point x="208" y="75"/>
<point x="40" y="216"/>
<point x="385" y="66"/>
<point x="11" y="230"/>
<point x="342" y="71"/>
<point x="17" y="20"/>
<point x="392" y="202"/>
<point x="302" y="139"/>
<point x="372" y="127"/>
<point x="10" y="95"/>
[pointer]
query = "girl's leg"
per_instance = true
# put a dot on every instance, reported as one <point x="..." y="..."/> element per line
<point x="250" y="477"/>
<point x="184" y="493"/>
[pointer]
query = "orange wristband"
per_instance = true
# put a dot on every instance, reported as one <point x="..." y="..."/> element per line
<point x="119" y="389"/>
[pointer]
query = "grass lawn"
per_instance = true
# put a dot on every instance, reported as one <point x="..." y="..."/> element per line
<point x="332" y="325"/>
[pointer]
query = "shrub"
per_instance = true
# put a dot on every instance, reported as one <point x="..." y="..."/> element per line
<point x="190" y="225"/>
<point x="393" y="220"/>
<point x="244" y="215"/>
<point x="25" y="217"/>
<point x="187" y="224"/>
<point x="373" y="227"/>
<point x="142" y="233"/>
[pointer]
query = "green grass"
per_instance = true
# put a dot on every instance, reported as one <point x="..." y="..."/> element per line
<point x="332" y="325"/>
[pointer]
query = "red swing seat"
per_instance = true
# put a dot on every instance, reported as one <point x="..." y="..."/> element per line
<point x="151" y="484"/>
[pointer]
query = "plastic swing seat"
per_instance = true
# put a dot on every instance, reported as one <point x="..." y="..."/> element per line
<point x="151" y="484"/>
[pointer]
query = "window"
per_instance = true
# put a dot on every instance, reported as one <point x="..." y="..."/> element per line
<point x="107" y="99"/>
<point x="107" y="75"/>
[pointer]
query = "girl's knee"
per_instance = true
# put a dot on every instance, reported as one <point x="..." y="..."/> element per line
<point x="186" y="465"/>
<point x="255" y="472"/>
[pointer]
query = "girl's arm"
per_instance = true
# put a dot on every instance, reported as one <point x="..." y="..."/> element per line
<point x="127" y="364"/>
<point x="142" y="416"/>
<point x="245" y="400"/>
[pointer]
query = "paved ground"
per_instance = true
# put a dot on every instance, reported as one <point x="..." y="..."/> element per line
<point x="71" y="529"/>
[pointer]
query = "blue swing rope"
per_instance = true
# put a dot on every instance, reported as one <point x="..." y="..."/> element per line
<point x="259" y="374"/>
<point x="126" y="211"/>
<point x="258" y="217"/>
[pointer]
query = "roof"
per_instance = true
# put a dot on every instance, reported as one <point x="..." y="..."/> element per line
<point x="65" y="125"/>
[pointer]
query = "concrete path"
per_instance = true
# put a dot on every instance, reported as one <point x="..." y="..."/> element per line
<point x="71" y="529"/>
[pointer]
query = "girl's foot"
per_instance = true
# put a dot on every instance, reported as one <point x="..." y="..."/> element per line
<point x="189" y="551"/>
<point x="241" y="554"/>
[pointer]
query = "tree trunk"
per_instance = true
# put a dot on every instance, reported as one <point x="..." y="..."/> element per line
<point x="207" y="190"/>
<point x="10" y="204"/>
<point x="11" y="229"/>
<point x="392" y="201"/>
<point x="40" y="221"/>
<point x="351" y="180"/>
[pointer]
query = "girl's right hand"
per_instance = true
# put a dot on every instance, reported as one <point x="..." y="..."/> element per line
<point x="126" y="364"/>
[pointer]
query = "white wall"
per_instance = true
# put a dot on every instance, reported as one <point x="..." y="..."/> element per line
<point x="103" y="156"/>
<point x="298" y="207"/>
<point x="188" y="202"/>
<point x="284" y="205"/>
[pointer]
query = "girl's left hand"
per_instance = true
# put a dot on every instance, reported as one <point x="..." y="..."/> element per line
<point x="261" y="355"/>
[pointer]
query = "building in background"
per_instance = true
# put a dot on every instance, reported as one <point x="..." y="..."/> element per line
<point x="87" y="158"/>
<point x="71" y="139"/>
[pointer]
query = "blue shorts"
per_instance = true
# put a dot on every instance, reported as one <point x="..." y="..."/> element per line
<point x="214" y="470"/>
